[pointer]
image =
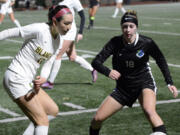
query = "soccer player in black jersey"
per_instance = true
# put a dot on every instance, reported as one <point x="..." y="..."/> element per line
<point x="93" y="7"/>
<point x="132" y="73"/>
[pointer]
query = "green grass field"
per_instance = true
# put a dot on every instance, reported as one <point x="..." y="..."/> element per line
<point x="73" y="84"/>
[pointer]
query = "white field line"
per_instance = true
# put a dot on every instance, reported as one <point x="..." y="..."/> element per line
<point x="85" y="51"/>
<point x="13" y="119"/>
<point x="7" y="111"/>
<point x="156" y="18"/>
<point x="169" y="64"/>
<point x="63" y="58"/>
<point x="14" y="41"/>
<point x="143" y="31"/>
<point x="73" y="106"/>
<point x="90" y="52"/>
<point x="85" y="111"/>
<point x="5" y="57"/>
<point x="90" y="56"/>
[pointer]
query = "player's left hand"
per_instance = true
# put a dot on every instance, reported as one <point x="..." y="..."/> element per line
<point x="38" y="82"/>
<point x="79" y="37"/>
<point x="173" y="90"/>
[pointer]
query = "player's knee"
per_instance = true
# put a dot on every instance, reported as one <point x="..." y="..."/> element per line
<point x="72" y="58"/>
<point x="56" y="111"/>
<point x="42" y="120"/>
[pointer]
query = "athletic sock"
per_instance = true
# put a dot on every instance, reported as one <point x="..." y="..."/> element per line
<point x="93" y="131"/>
<point x="123" y="10"/>
<point x="30" y="129"/>
<point x="55" y="69"/>
<point x="16" y="22"/>
<point x="41" y="130"/>
<point x="92" y="18"/>
<point x="161" y="128"/>
<point x="116" y="11"/>
<point x="83" y="63"/>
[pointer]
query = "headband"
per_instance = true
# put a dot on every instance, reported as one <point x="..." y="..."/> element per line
<point x="129" y="18"/>
<point x="61" y="13"/>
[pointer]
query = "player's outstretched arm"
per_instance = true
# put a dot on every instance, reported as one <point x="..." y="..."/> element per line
<point x="9" y="33"/>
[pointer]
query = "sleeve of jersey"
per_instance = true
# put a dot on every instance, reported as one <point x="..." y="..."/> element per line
<point x="9" y="33"/>
<point x="46" y="68"/>
<point x="97" y="63"/>
<point x="27" y="31"/>
<point x="82" y="22"/>
<point x="156" y="53"/>
<point x="30" y="31"/>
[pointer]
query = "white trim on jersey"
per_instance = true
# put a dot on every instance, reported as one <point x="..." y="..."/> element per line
<point x="150" y="71"/>
<point x="137" y="39"/>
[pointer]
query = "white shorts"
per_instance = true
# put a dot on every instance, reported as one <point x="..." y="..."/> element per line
<point x="5" y="9"/>
<point x="71" y="34"/>
<point x="16" y="85"/>
<point x="119" y="1"/>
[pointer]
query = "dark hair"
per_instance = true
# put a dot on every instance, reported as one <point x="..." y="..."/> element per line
<point x="53" y="11"/>
<point x="130" y="16"/>
<point x="55" y="2"/>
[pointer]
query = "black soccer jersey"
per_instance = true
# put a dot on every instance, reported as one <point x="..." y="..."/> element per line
<point x="131" y="60"/>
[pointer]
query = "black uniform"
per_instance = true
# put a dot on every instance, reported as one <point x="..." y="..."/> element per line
<point x="131" y="60"/>
<point x="93" y="3"/>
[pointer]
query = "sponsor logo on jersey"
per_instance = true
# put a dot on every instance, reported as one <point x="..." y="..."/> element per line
<point x="140" y="53"/>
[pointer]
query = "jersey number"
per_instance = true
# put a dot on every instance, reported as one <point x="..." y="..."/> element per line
<point x="130" y="64"/>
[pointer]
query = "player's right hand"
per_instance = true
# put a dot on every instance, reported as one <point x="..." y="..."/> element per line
<point x="114" y="74"/>
<point x="38" y="82"/>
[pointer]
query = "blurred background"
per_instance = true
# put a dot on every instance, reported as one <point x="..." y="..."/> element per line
<point x="39" y="4"/>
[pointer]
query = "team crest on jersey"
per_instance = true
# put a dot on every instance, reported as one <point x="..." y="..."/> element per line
<point x="140" y="53"/>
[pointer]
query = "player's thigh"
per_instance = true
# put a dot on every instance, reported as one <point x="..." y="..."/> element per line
<point x="2" y="16"/>
<point x="11" y="15"/>
<point x="94" y="10"/>
<point x="147" y="99"/>
<point x="48" y="104"/>
<point x="33" y="109"/>
<point x="108" y="107"/>
<point x="119" y="5"/>
<point x="119" y="1"/>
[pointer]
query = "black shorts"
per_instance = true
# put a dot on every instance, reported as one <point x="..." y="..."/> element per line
<point x="127" y="95"/>
<point x="93" y="3"/>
